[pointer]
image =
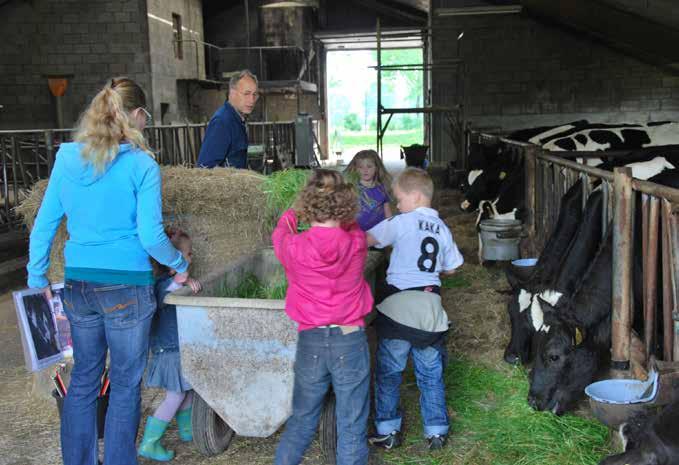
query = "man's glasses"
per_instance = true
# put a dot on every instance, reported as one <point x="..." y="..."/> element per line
<point x="250" y="94"/>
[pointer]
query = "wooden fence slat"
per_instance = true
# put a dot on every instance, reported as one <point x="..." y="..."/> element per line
<point x="623" y="230"/>
<point x="668" y="303"/>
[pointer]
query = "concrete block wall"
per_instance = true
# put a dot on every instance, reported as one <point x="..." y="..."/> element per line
<point x="91" y="40"/>
<point x="521" y="73"/>
<point x="166" y="68"/>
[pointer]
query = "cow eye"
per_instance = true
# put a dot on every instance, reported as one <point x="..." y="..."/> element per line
<point x="554" y="358"/>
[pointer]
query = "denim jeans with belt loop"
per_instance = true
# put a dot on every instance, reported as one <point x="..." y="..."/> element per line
<point x="103" y="317"/>
<point x="392" y="357"/>
<point x="326" y="357"/>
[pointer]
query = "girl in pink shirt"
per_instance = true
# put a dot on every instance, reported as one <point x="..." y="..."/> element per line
<point x="328" y="298"/>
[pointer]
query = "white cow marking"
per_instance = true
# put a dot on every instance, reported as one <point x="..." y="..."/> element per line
<point x="524" y="300"/>
<point x="551" y="297"/>
<point x="473" y="174"/>
<point x="549" y="133"/>
<point x="647" y="169"/>
<point x="664" y="134"/>
<point x="537" y="315"/>
<point x="593" y="162"/>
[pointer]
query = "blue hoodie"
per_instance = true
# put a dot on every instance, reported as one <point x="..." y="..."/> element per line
<point x="114" y="220"/>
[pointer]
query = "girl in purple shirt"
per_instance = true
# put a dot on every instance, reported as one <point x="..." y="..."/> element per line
<point x="373" y="180"/>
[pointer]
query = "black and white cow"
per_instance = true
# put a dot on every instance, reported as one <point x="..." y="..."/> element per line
<point x="524" y="307"/>
<point x="600" y="137"/>
<point x="565" y="363"/>
<point x="649" y="439"/>
<point x="571" y="338"/>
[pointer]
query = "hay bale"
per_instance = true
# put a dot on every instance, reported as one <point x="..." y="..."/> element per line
<point x="223" y="210"/>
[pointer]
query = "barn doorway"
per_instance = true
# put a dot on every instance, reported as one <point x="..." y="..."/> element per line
<point x="351" y="95"/>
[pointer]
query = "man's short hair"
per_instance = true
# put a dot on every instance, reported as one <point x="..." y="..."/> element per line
<point x="235" y="79"/>
<point x="415" y="179"/>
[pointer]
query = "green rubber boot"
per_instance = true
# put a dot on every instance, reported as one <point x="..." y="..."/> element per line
<point x="184" y="424"/>
<point x="150" y="446"/>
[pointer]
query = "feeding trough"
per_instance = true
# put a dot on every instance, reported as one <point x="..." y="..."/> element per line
<point x="523" y="267"/>
<point x="238" y="354"/>
<point x="613" y="401"/>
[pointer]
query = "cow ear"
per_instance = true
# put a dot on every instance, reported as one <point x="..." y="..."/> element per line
<point x="579" y="336"/>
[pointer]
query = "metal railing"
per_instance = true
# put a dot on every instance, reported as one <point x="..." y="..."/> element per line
<point x="28" y="156"/>
<point x="269" y="63"/>
<point x="548" y="177"/>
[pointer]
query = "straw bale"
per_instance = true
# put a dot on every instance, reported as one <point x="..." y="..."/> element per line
<point x="223" y="210"/>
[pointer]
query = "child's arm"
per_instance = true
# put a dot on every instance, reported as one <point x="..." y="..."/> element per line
<point x="283" y="233"/>
<point x="384" y="233"/>
<point x="387" y="210"/>
<point x="452" y="258"/>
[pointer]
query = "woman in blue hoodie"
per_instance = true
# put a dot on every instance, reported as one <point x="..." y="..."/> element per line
<point x="108" y="186"/>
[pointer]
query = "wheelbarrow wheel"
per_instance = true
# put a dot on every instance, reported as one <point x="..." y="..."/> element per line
<point x="327" y="431"/>
<point x="211" y="434"/>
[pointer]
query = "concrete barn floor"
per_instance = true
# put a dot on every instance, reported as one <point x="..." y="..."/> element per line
<point x="29" y="428"/>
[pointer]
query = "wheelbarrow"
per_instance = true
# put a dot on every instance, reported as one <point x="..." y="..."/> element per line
<point x="238" y="355"/>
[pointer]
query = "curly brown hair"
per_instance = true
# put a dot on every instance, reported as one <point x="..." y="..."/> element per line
<point x="327" y="196"/>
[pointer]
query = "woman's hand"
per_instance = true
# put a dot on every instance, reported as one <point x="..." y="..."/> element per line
<point x="194" y="284"/>
<point x="181" y="278"/>
<point x="47" y="292"/>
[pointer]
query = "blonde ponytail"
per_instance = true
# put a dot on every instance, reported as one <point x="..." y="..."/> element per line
<point x="106" y="123"/>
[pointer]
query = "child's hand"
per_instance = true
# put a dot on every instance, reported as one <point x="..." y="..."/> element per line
<point x="194" y="284"/>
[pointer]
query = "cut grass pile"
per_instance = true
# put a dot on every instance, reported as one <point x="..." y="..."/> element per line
<point x="281" y="189"/>
<point x="458" y="280"/>
<point x="250" y="287"/>
<point x="493" y="424"/>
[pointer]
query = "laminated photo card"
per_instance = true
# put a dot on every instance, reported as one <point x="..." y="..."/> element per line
<point x="45" y="331"/>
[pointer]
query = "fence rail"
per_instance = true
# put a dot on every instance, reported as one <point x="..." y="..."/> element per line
<point x="27" y="156"/>
<point x="548" y="177"/>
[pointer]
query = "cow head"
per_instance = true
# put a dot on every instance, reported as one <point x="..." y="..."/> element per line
<point x="519" y="348"/>
<point x="649" y="439"/>
<point x="647" y="450"/>
<point x="564" y="365"/>
<point x="486" y="186"/>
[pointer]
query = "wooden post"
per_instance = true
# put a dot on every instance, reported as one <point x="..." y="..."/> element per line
<point x="623" y="231"/>
<point x="650" y="248"/>
<point x="668" y="294"/>
<point x="529" y="166"/>
<point x="674" y="243"/>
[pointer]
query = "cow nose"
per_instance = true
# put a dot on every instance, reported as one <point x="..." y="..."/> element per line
<point x="512" y="358"/>
<point x="532" y="401"/>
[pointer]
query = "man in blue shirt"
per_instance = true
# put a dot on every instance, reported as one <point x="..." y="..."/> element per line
<point x="226" y="139"/>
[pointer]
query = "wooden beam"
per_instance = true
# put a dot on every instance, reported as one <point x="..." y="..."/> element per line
<point x="647" y="40"/>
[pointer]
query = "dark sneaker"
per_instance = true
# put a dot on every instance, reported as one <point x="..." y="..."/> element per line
<point x="436" y="442"/>
<point x="386" y="441"/>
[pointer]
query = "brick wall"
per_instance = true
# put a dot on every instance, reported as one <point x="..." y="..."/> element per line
<point x="523" y="73"/>
<point x="91" y="40"/>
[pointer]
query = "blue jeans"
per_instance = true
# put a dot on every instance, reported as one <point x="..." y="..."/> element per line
<point x="102" y="317"/>
<point x="326" y="357"/>
<point x="392" y="356"/>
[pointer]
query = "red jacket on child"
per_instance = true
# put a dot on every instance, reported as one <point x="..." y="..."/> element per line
<point x="324" y="267"/>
